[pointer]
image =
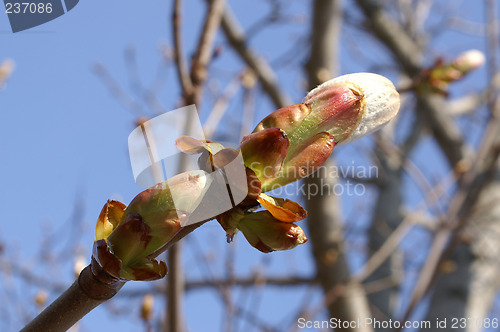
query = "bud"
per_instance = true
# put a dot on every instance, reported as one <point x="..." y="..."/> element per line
<point x="264" y="152"/>
<point x="286" y="146"/>
<point x="41" y="298"/>
<point x="469" y="60"/>
<point x="338" y="111"/>
<point x="437" y="78"/>
<point x="127" y="239"/>
<point x="147" y="307"/>
<point x="267" y="234"/>
<point x="380" y="102"/>
<point x="6" y="69"/>
<point x="123" y="255"/>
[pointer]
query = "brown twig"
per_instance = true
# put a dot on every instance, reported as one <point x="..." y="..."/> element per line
<point x="205" y="45"/>
<point x="181" y="65"/>
<point x="220" y="107"/>
<point x="409" y="55"/>
<point x="192" y="87"/>
<point x="116" y="90"/>
<point x="236" y="37"/>
<point x="472" y="184"/>
<point x="92" y="288"/>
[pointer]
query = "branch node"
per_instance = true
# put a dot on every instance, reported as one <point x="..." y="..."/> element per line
<point x="97" y="283"/>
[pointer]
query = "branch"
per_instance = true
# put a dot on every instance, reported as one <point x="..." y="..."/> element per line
<point x="409" y="54"/>
<point x="467" y="104"/>
<point x="193" y="285"/>
<point x="264" y="72"/>
<point x="192" y="88"/>
<point x="181" y="65"/>
<point x="90" y="290"/>
<point x="324" y="219"/>
<point x="461" y="208"/>
<point x="93" y="287"/>
<point x="205" y="45"/>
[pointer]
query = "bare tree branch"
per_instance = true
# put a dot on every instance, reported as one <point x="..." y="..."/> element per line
<point x="204" y="52"/>
<point x="410" y="55"/>
<point x="236" y="38"/>
<point x="324" y="217"/>
<point x="182" y="68"/>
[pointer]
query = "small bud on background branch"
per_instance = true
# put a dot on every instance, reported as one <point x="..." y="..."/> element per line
<point x="437" y="78"/>
<point x="6" y="69"/>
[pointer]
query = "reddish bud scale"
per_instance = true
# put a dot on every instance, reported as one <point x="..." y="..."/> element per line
<point x="264" y="152"/>
<point x="286" y="118"/>
<point x="305" y="160"/>
<point x="337" y="109"/>
<point x="254" y="189"/>
<point x="330" y="114"/>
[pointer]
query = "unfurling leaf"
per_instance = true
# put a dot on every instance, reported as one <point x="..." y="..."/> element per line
<point x="109" y="218"/>
<point x="284" y="210"/>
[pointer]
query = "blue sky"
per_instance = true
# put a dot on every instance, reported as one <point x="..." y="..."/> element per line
<point x="64" y="137"/>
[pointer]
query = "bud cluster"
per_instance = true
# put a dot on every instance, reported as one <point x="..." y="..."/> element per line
<point x="289" y="144"/>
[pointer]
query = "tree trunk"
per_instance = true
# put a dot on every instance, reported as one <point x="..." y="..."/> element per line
<point x="324" y="215"/>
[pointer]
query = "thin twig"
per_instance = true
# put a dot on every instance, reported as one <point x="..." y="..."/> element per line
<point x="192" y="91"/>
<point x="264" y="72"/>
<point x="410" y="56"/>
<point x="181" y="65"/>
<point x="116" y="91"/>
<point x="90" y="290"/>
<point x="220" y="106"/>
<point x="205" y="45"/>
<point x="473" y="182"/>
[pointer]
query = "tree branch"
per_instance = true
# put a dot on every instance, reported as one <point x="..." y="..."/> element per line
<point x="207" y="37"/>
<point x="409" y="54"/>
<point x="181" y="65"/>
<point x="324" y="216"/>
<point x="93" y="287"/>
<point x="267" y="78"/>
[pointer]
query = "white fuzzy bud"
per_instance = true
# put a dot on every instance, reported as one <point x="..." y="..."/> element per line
<point x="381" y="101"/>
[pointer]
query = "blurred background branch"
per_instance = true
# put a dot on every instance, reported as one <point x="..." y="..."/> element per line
<point x="417" y="241"/>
